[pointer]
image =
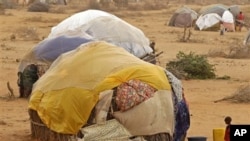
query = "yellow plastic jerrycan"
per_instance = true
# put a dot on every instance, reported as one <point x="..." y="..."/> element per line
<point x="218" y="134"/>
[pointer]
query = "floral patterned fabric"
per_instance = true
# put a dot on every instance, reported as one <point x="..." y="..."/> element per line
<point x="132" y="93"/>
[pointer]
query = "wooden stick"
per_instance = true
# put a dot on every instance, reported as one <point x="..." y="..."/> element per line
<point x="11" y="94"/>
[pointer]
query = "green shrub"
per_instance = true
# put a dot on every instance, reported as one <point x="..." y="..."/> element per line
<point x="191" y="66"/>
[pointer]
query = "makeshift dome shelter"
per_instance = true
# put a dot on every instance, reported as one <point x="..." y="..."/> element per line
<point x="38" y="6"/>
<point x="219" y="9"/>
<point x="107" y="27"/>
<point x="226" y="13"/>
<point x="98" y="85"/>
<point x="183" y="17"/>
<point x="40" y="57"/>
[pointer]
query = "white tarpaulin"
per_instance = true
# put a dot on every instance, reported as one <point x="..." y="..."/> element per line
<point x="208" y="20"/>
<point x="100" y="25"/>
<point x="77" y="20"/>
<point x="227" y="17"/>
<point x="119" y="33"/>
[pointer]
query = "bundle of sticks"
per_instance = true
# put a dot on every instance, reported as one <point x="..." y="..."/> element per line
<point x="151" y="58"/>
<point x="41" y="132"/>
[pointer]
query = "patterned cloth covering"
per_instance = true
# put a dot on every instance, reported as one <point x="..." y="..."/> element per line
<point x="111" y="131"/>
<point x="132" y="93"/>
<point x="176" y="85"/>
<point x="182" y="115"/>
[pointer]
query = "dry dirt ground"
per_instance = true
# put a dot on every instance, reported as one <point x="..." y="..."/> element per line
<point x="29" y="28"/>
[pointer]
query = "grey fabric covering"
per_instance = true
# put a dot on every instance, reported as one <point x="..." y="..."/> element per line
<point x="38" y="7"/>
<point x="183" y="17"/>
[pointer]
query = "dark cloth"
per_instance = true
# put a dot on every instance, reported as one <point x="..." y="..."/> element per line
<point x="30" y="76"/>
<point x="182" y="120"/>
<point x="20" y="84"/>
<point x="26" y="79"/>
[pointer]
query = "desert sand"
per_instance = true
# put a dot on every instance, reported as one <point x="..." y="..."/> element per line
<point x="201" y="94"/>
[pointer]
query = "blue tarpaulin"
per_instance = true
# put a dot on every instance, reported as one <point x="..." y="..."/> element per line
<point x="51" y="48"/>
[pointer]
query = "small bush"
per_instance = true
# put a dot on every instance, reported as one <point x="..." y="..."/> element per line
<point x="191" y="66"/>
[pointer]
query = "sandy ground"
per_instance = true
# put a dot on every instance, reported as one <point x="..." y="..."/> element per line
<point x="201" y="94"/>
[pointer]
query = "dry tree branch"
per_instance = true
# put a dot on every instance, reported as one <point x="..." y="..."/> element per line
<point x="184" y="34"/>
<point x="11" y="91"/>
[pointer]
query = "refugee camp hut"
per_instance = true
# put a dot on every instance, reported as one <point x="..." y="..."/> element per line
<point x="219" y="9"/>
<point x="183" y="17"/>
<point x="210" y="14"/>
<point x="38" y="6"/>
<point x="38" y="59"/>
<point x="101" y="25"/>
<point x="88" y="90"/>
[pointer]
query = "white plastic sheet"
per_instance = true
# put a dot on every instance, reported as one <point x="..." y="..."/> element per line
<point x="227" y="17"/>
<point x="77" y="20"/>
<point x="100" y="25"/>
<point x="208" y="20"/>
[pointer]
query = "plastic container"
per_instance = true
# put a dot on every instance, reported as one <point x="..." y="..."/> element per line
<point x="198" y="138"/>
<point x="218" y="134"/>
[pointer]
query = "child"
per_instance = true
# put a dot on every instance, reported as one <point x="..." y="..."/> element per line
<point x="227" y="120"/>
<point x="240" y="20"/>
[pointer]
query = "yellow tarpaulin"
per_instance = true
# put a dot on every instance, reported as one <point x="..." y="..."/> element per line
<point x="65" y="95"/>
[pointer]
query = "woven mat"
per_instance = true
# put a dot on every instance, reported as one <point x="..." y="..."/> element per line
<point x="111" y="131"/>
